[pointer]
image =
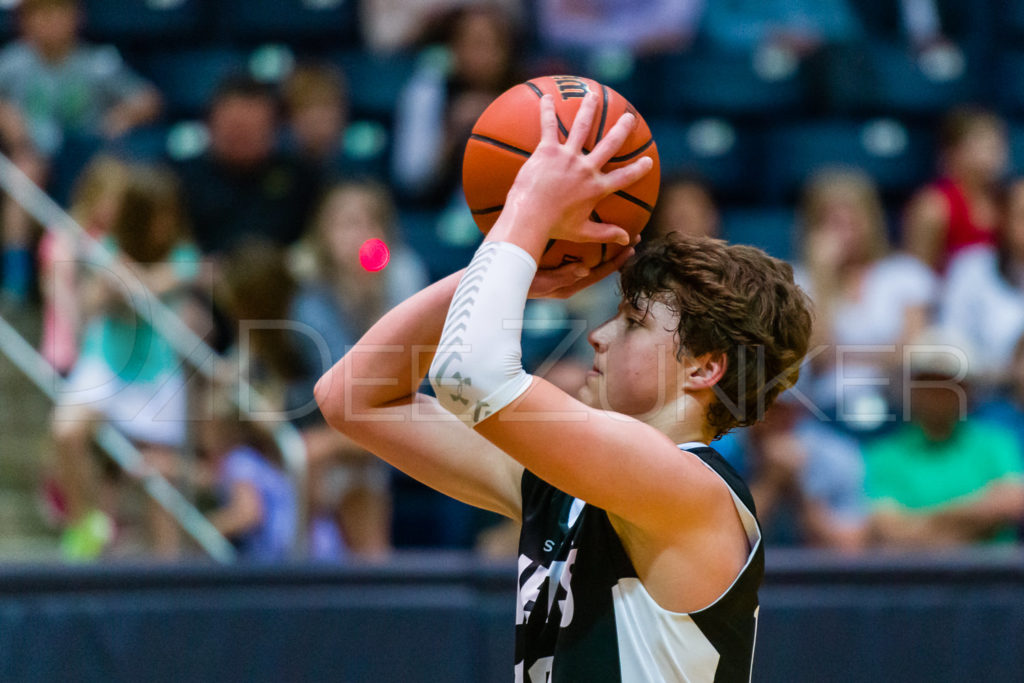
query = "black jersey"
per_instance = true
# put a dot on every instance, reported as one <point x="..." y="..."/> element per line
<point x="583" y="615"/>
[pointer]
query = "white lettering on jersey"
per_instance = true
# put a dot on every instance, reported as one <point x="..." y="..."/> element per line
<point x="540" y="672"/>
<point x="549" y="545"/>
<point x="529" y="589"/>
<point x="532" y="576"/>
<point x="565" y="582"/>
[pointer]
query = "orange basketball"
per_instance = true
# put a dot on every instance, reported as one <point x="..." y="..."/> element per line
<point x="507" y="133"/>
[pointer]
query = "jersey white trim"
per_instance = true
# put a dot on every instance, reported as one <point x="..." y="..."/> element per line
<point x="749" y="522"/>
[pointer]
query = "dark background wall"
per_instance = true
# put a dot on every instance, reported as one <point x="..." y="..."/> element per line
<point x="449" y="618"/>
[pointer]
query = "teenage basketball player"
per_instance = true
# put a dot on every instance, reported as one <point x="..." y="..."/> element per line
<point x="640" y="555"/>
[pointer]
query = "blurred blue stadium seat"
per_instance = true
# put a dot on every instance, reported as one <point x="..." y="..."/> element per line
<point x="770" y="228"/>
<point x="1009" y="91"/>
<point x="374" y="81"/>
<point x="188" y="78"/>
<point x="125" y="22"/>
<point x="714" y="148"/>
<point x="422" y="231"/>
<point x="1017" y="148"/>
<point x="291" y="21"/>
<point x="730" y="85"/>
<point x="145" y="144"/>
<point x="8" y="20"/>
<point x="880" y="78"/>
<point x="898" y="157"/>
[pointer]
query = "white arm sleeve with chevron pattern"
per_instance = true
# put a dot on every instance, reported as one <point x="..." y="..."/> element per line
<point x="478" y="367"/>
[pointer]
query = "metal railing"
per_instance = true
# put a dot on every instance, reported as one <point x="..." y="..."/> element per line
<point x="190" y="348"/>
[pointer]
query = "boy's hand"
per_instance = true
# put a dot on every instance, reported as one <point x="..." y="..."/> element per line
<point x="559" y="185"/>
<point x="564" y="281"/>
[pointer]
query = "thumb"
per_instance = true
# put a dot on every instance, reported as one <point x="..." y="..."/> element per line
<point x="592" y="231"/>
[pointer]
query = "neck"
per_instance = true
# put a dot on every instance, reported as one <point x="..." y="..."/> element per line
<point x="683" y="420"/>
<point x="54" y="53"/>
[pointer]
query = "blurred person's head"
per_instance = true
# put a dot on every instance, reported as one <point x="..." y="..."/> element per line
<point x="973" y="145"/>
<point x="243" y="119"/>
<point x="50" y="26"/>
<point x="482" y="40"/>
<point x="96" y="195"/>
<point x="937" y="368"/>
<point x="224" y="427"/>
<point x="844" y="205"/>
<point x="686" y="206"/>
<point x="150" y="218"/>
<point x="256" y="286"/>
<point x="351" y="213"/>
<point x="316" y="102"/>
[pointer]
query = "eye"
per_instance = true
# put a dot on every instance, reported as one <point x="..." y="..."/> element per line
<point x="633" y="323"/>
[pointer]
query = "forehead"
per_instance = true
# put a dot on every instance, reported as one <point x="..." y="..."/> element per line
<point x="652" y="308"/>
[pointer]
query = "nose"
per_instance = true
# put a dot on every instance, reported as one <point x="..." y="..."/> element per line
<point x="599" y="335"/>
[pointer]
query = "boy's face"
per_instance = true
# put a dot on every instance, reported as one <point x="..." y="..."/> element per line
<point x="50" y="27"/>
<point x="635" y="367"/>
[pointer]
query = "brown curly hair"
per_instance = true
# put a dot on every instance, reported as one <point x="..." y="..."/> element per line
<point x="734" y="300"/>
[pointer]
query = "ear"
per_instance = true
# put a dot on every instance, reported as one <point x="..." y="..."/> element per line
<point x="704" y="371"/>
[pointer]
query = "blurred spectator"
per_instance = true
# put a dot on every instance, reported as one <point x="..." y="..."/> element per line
<point x="316" y="104"/>
<point x="959" y="209"/>
<point x="393" y="25"/>
<point x="53" y="85"/>
<point x="983" y="297"/>
<point x="243" y="187"/>
<point x="864" y="296"/>
<point x="641" y="27"/>
<point x="94" y="206"/>
<point x="807" y="480"/>
<point x="56" y="84"/>
<point x="341" y="300"/>
<point x="126" y="373"/>
<point x="799" y="26"/>
<point x="257" y="508"/>
<point x="943" y="479"/>
<point x="442" y="101"/>
<point x="284" y="353"/>
<point x="685" y="205"/>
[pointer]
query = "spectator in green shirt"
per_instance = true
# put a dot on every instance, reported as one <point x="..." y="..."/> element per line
<point x="943" y="479"/>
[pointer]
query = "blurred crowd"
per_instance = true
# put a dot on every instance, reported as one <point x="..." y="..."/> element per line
<point x="245" y="220"/>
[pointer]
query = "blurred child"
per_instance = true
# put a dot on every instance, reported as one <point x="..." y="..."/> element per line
<point x="53" y="84"/>
<point x="257" y="507"/>
<point x="126" y="373"/>
<point x="94" y="206"/>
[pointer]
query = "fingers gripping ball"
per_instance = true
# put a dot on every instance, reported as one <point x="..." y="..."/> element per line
<point x="509" y="130"/>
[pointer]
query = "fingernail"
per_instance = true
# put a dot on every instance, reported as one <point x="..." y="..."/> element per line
<point x="581" y="272"/>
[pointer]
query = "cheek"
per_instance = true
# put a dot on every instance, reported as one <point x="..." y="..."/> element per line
<point x="639" y="380"/>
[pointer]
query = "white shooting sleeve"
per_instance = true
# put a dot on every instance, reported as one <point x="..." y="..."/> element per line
<point x="478" y="367"/>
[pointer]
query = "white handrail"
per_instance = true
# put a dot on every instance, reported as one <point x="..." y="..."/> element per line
<point x="120" y="449"/>
<point x="186" y="343"/>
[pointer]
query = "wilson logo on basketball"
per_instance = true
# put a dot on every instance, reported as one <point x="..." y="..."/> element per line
<point x="569" y="86"/>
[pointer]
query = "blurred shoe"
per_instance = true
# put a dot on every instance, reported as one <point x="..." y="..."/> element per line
<point x="86" y="539"/>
